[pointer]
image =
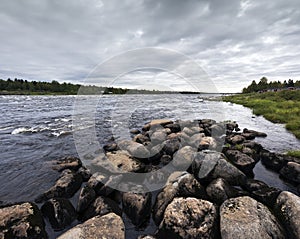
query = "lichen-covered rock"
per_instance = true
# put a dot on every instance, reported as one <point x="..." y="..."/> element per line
<point x="66" y="186"/>
<point x="21" y="221"/>
<point x="180" y="184"/>
<point x="137" y="207"/>
<point x="287" y="208"/>
<point x="101" y="227"/>
<point x="123" y="161"/>
<point x="188" y="218"/>
<point x="244" y="217"/>
<point x="241" y="161"/>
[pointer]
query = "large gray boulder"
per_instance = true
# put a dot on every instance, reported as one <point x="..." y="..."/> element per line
<point x="242" y="161"/>
<point x="21" y="221"/>
<point x="244" y="217"/>
<point x="101" y="227"/>
<point x="180" y="184"/>
<point x="188" y="218"/>
<point x="287" y="208"/>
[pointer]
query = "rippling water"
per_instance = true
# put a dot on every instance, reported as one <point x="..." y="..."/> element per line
<point x="35" y="130"/>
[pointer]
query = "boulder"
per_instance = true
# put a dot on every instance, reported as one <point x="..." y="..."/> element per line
<point x="188" y="218"/>
<point x="66" y="186"/>
<point x="104" y="184"/>
<point x="108" y="226"/>
<point x="84" y="173"/>
<point x="137" y="207"/>
<point x="241" y="161"/>
<point x="207" y="143"/>
<point x="134" y="131"/>
<point x="100" y="206"/>
<point x="170" y="146"/>
<point x="158" y="137"/>
<point x="21" y="221"/>
<point x="123" y="161"/>
<point x="291" y="172"/>
<point x="141" y="138"/>
<point x="67" y="162"/>
<point x="86" y="197"/>
<point x="271" y="160"/>
<point x="244" y="217"/>
<point x="287" y="208"/>
<point x="219" y="190"/>
<point x="156" y="123"/>
<point x="179" y="184"/>
<point x="254" y="133"/>
<point x="110" y="147"/>
<point x="212" y="165"/>
<point x="183" y="158"/>
<point x="236" y="139"/>
<point x="135" y="149"/>
<point x="175" y="128"/>
<point x="60" y="213"/>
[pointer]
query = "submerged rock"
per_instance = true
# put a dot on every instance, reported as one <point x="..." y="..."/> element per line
<point x="244" y="217"/>
<point x="21" y="221"/>
<point x="288" y="210"/>
<point x="188" y="218"/>
<point x="109" y="226"/>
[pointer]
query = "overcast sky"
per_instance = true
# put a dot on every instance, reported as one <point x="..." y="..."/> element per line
<point x="233" y="41"/>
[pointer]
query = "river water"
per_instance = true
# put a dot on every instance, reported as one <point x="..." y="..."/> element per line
<point x="35" y="130"/>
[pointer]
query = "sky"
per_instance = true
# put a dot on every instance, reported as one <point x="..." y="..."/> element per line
<point x="151" y="44"/>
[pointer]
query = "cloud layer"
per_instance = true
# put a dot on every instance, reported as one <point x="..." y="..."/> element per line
<point x="234" y="41"/>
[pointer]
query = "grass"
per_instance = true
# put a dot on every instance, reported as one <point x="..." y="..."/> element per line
<point x="294" y="153"/>
<point x="278" y="107"/>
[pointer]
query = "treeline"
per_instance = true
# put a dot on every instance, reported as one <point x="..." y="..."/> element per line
<point x="20" y="86"/>
<point x="265" y="85"/>
<point x="24" y="86"/>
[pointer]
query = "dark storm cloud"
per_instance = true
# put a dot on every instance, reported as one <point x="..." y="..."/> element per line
<point x="234" y="41"/>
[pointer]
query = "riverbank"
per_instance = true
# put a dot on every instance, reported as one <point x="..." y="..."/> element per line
<point x="278" y="107"/>
<point x="201" y="196"/>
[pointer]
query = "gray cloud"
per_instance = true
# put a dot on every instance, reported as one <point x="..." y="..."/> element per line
<point x="234" y="41"/>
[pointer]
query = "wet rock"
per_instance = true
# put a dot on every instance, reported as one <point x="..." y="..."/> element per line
<point x="108" y="226"/>
<point x="188" y="218"/>
<point x="180" y="184"/>
<point x="157" y="123"/>
<point x="254" y="185"/>
<point x="141" y="138"/>
<point x="86" y="197"/>
<point x="254" y="133"/>
<point x="84" y="173"/>
<point x="241" y="161"/>
<point x="123" y="161"/>
<point x="253" y="145"/>
<point x="219" y="190"/>
<point x="111" y="147"/>
<point x="134" y="131"/>
<point x="175" y="128"/>
<point x="248" y="136"/>
<point x="68" y="162"/>
<point x="170" y="146"/>
<point x="59" y="212"/>
<point x="184" y="157"/>
<point x="21" y="221"/>
<point x="266" y="195"/>
<point x="135" y="149"/>
<point x="287" y="209"/>
<point x="212" y="165"/>
<point x="137" y="207"/>
<point x="244" y="217"/>
<point x="104" y="184"/>
<point x="100" y="206"/>
<point x="236" y="139"/>
<point x="66" y="186"/>
<point x="271" y="160"/>
<point x="291" y="172"/>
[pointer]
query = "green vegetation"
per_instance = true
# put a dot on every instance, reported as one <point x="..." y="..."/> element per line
<point x="294" y="153"/>
<point x="264" y="85"/>
<point x="278" y="107"/>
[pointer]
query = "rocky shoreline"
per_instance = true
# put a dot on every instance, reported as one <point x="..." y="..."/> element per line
<point x="211" y="192"/>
